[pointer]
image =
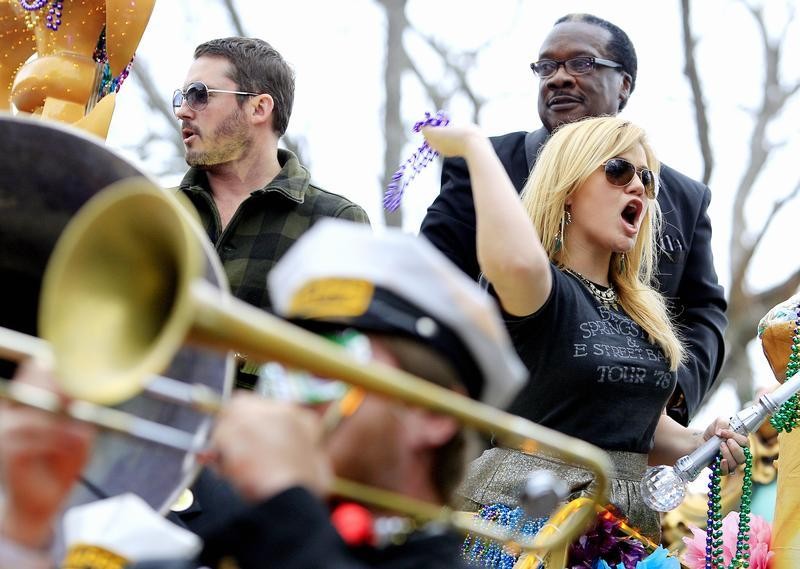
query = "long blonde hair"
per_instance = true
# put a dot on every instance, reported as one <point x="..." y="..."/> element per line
<point x="572" y="154"/>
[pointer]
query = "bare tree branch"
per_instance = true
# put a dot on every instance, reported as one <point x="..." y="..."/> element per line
<point x="459" y="70"/>
<point x="458" y="64"/>
<point x="780" y="292"/>
<point x="431" y="89"/>
<point x="791" y="91"/>
<point x="233" y="13"/>
<point x="776" y="207"/>
<point x="295" y="144"/>
<point x="745" y="307"/>
<point x="158" y="102"/>
<point x="398" y="61"/>
<point x="690" y="69"/>
<point x="394" y="67"/>
<point x="772" y="100"/>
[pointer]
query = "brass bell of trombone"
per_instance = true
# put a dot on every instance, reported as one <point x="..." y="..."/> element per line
<point x="48" y="171"/>
<point x="123" y="291"/>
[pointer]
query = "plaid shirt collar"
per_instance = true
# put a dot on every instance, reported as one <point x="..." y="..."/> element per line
<point x="291" y="182"/>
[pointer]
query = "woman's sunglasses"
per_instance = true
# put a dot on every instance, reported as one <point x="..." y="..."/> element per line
<point x="196" y="96"/>
<point x="620" y="172"/>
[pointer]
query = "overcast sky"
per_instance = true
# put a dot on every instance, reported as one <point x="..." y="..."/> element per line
<point x="337" y="50"/>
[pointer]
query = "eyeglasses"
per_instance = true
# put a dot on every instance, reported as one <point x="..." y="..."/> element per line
<point x="196" y="96"/>
<point x="576" y="66"/>
<point x="620" y="172"/>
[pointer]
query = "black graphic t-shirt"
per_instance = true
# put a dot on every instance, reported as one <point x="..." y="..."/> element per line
<point x="593" y="373"/>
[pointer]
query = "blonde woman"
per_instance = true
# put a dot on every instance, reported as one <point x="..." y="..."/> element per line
<point x="572" y="266"/>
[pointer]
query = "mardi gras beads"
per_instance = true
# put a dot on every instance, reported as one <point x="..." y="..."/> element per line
<point x="490" y="554"/>
<point x="714" y="557"/>
<point x="53" y="18"/>
<point x="409" y="169"/>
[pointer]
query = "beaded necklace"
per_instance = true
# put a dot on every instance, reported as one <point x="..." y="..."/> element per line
<point x="409" y="169"/>
<point x="480" y="552"/>
<point x="53" y="18"/>
<point x="714" y="558"/>
<point x="607" y="297"/>
<point x="787" y="417"/>
<point x="108" y="83"/>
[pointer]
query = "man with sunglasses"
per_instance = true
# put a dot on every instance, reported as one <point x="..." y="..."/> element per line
<point x="587" y="67"/>
<point x="254" y="199"/>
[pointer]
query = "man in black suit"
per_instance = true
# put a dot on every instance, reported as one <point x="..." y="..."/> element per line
<point x="587" y="67"/>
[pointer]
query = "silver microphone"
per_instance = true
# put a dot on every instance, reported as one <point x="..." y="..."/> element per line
<point x="664" y="487"/>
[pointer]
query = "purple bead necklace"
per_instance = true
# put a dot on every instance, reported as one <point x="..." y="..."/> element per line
<point x="421" y="157"/>
<point x="53" y="18"/>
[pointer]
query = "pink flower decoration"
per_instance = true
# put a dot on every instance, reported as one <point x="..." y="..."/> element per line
<point x="694" y="557"/>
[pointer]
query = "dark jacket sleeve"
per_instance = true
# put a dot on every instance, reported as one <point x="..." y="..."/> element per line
<point x="289" y="531"/>
<point x="700" y="307"/>
<point x="450" y="222"/>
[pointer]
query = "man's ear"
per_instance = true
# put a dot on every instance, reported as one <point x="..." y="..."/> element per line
<point x="263" y="105"/>
<point x="434" y="430"/>
<point x="624" y="89"/>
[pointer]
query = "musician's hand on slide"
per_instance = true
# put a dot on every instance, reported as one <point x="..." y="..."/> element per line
<point x="264" y="447"/>
<point x="41" y="457"/>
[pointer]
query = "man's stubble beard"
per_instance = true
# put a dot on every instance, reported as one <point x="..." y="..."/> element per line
<point x="228" y="142"/>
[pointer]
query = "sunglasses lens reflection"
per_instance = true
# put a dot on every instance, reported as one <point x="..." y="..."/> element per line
<point x="648" y="183"/>
<point x="197" y="96"/>
<point x="619" y="172"/>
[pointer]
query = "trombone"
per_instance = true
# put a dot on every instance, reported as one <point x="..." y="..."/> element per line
<point x="15" y="347"/>
<point x="123" y="291"/>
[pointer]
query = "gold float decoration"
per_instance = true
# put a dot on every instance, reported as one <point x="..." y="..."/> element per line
<point x="61" y="82"/>
<point x="779" y="331"/>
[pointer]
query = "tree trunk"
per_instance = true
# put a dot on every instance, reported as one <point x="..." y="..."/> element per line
<point x="394" y="66"/>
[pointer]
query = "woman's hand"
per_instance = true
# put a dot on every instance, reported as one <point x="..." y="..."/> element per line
<point x="732" y="445"/>
<point x="455" y="140"/>
<point x="673" y="441"/>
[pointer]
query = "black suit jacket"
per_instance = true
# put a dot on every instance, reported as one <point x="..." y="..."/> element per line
<point x="686" y="266"/>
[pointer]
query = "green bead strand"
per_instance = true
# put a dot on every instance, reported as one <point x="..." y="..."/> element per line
<point x="741" y="559"/>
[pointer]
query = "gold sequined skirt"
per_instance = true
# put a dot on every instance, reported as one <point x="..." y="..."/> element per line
<point x="498" y="476"/>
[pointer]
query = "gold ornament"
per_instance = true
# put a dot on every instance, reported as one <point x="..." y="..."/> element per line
<point x="60" y="82"/>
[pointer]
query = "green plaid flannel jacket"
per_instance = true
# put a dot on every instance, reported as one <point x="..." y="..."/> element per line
<point x="266" y="224"/>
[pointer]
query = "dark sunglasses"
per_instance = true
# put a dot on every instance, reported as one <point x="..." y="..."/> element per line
<point x="196" y="96"/>
<point x="620" y="172"/>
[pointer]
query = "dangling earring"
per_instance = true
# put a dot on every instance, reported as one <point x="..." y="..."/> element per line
<point x="566" y="219"/>
<point x="622" y="264"/>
